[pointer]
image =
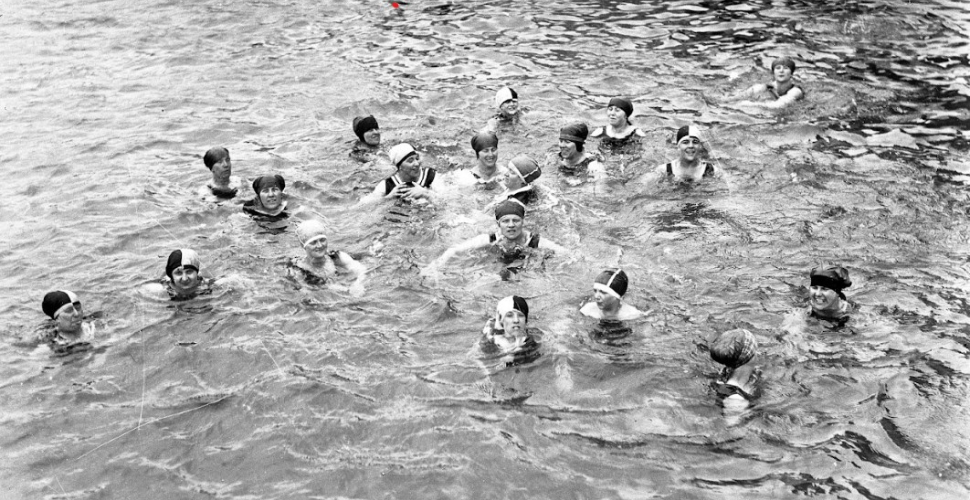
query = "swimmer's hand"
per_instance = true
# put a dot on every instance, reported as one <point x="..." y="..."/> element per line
<point x="356" y="289"/>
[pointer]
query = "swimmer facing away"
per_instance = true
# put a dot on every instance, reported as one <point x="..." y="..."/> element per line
<point x="690" y="165"/>
<point x="607" y="304"/>
<point x="411" y="182"/>
<point x="513" y="243"/>
<point x="270" y="200"/>
<point x="64" y="308"/>
<point x="825" y="293"/>
<point x="619" y="135"/>
<point x="218" y="162"/>
<point x="486" y="174"/>
<point x="776" y="94"/>
<point x="368" y="138"/>
<point x="735" y="349"/>
<point x="320" y="264"/>
<point x="573" y="161"/>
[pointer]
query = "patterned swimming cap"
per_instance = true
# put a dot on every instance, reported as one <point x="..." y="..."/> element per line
<point x="689" y="131"/>
<point x="54" y="302"/>
<point x="509" y="207"/>
<point x="525" y="167"/>
<point x="613" y="282"/>
<point x="504" y="94"/>
<point x="510" y="303"/>
<point x="183" y="257"/>
<point x="734" y="348"/>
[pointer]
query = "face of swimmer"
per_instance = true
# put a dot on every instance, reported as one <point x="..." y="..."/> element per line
<point x="512" y="181"/>
<point x="488" y="157"/>
<point x="605" y="301"/>
<point x="221" y="171"/>
<point x="567" y="149"/>
<point x="616" y="117"/>
<point x="513" y="322"/>
<point x="410" y="168"/>
<point x="782" y="73"/>
<point x="823" y="299"/>
<point x="690" y="148"/>
<point x="317" y="248"/>
<point x="271" y="197"/>
<point x="68" y="321"/>
<point x="185" y="279"/>
<point x="511" y="226"/>
<point x="373" y="137"/>
<point x="509" y="108"/>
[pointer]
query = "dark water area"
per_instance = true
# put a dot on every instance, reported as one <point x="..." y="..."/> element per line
<point x="275" y="386"/>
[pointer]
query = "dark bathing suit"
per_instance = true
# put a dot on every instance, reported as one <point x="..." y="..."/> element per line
<point x="708" y="170"/>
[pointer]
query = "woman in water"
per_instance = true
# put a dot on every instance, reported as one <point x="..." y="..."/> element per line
<point x="689" y="165"/>
<point x="507" y="116"/>
<point x="369" y="138"/>
<point x="486" y="174"/>
<point x="607" y="304"/>
<point x="218" y="162"/>
<point x="182" y="280"/>
<point x="776" y="94"/>
<point x="411" y="182"/>
<point x="320" y="264"/>
<point x="508" y="334"/>
<point x="269" y="201"/>
<point x="64" y="308"/>
<point x="512" y="242"/>
<point x="737" y="383"/>
<point x="825" y="294"/>
<point x="619" y="136"/>
<point x="519" y="182"/>
<point x="573" y="161"/>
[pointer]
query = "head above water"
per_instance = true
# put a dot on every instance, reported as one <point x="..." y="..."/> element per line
<point x="214" y="155"/>
<point x="55" y="302"/>
<point x="734" y="348"/>
<point x="689" y="131"/>
<point x="833" y="278"/>
<point x="503" y="95"/>
<point x="401" y="152"/>
<point x="511" y="303"/>
<point x="525" y="168"/>
<point x="483" y="140"/>
<point x="311" y="230"/>
<point x="509" y="207"/>
<point x="574" y="132"/>
<point x="624" y="104"/>
<point x="184" y="258"/>
<point x="267" y="181"/>
<point x="613" y="282"/>
<point x="783" y="61"/>
<point x="364" y="124"/>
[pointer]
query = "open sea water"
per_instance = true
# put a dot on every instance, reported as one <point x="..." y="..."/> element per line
<point x="272" y="388"/>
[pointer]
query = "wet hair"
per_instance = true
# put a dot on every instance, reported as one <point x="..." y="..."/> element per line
<point x="623" y="104"/>
<point x="783" y="61"/>
<point x="484" y="140"/>
<point x="509" y="207"/>
<point x="213" y="155"/>
<point x="834" y="278"/>
<point x="364" y="124"/>
<point x="266" y="181"/>
<point x="734" y="348"/>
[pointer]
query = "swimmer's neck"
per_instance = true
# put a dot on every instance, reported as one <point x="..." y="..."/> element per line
<point x="486" y="171"/>
<point x="781" y="88"/>
<point x="322" y="262"/>
<point x="686" y="165"/>
<point x="838" y="310"/>
<point x="618" y="132"/>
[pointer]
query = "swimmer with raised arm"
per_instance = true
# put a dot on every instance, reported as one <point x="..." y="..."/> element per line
<point x="513" y="243"/>
<point x="368" y="138"/>
<point x="320" y="264"/>
<point x="690" y="165"/>
<point x="607" y="304"/>
<point x="270" y="200"/>
<point x="780" y="92"/>
<point x="825" y="293"/>
<point x="218" y="162"/>
<point x="411" y="182"/>
<point x="573" y="161"/>
<point x="508" y="112"/>
<point x="486" y="174"/>
<point x="619" y="135"/>
<point x="64" y="308"/>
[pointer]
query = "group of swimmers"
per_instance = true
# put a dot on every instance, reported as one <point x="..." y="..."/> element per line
<point x="515" y="188"/>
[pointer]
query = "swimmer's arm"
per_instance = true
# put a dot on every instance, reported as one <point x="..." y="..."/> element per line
<point x="748" y="93"/>
<point x="792" y="96"/>
<point x="374" y="196"/>
<point x="354" y="267"/>
<point x="544" y="243"/>
<point x="653" y="176"/>
<point x="479" y="241"/>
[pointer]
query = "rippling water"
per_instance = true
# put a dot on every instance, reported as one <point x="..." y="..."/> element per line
<point x="271" y="388"/>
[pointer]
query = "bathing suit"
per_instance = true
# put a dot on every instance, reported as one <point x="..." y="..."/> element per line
<point x="363" y="152"/>
<point x="250" y="207"/>
<point x="310" y="275"/>
<point x="204" y="288"/>
<point x="708" y="170"/>
<point x="618" y="144"/>
<point x="223" y="192"/>
<point x="424" y="180"/>
<point x="525" y="196"/>
<point x="771" y="89"/>
<point x="489" y="184"/>
<point x="579" y="168"/>
<point x="516" y="253"/>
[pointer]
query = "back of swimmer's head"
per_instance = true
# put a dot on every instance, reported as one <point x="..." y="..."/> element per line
<point x="213" y="155"/>
<point x="525" y="168"/>
<point x="734" y="348"/>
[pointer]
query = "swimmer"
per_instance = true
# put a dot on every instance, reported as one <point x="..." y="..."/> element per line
<point x="619" y="134"/>
<point x="519" y="181"/>
<point x="270" y="200"/>
<point x="486" y="174"/>
<point x="64" y="308"/>
<point x="411" y="183"/>
<point x="778" y="93"/>
<point x="735" y="349"/>
<point x="513" y="243"/>
<point x="508" y="332"/>
<point x="182" y="280"/>
<point x="507" y="102"/>
<point x="607" y="304"/>
<point x="825" y="293"/>
<point x="688" y="167"/>
<point x="320" y="264"/>
<point x="369" y="138"/>
<point x="572" y="160"/>
<point x="218" y="162"/>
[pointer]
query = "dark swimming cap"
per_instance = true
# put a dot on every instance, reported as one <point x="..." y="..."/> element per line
<point x="401" y="152"/>
<point x="54" y="301"/>
<point x="613" y="282"/>
<point x="784" y="61"/>
<point x="527" y="169"/>
<point x="576" y="132"/>
<point x="623" y="104"/>
<point x="734" y="348"/>
<point x="689" y="131"/>
<point x="509" y="207"/>
<point x="504" y="94"/>
<point x="266" y="181"/>
<point x="182" y="258"/>
<point x="363" y="124"/>
<point x="833" y="278"/>
<point x="484" y="140"/>
<point x="510" y="303"/>
<point x="213" y="155"/>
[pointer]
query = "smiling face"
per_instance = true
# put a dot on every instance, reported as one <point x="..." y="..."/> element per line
<point x="68" y="320"/>
<point x="271" y="197"/>
<point x="567" y="149"/>
<point x="373" y="137"/>
<point x="690" y="149"/>
<point x="616" y="117"/>
<point x="410" y="168"/>
<point x="185" y="279"/>
<point x="823" y="300"/>
<point x="509" y="108"/>
<point x="317" y="248"/>
<point x="511" y="226"/>
<point x="488" y="157"/>
<point x="514" y="322"/>
<point x="782" y="73"/>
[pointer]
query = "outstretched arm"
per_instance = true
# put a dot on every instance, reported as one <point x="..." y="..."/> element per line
<point x="354" y="267"/>
<point x="479" y="241"/>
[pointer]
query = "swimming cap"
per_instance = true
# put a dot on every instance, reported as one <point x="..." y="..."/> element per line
<point x="310" y="230"/>
<point x="484" y="140"/>
<point x="613" y="282"/>
<point x="55" y="301"/>
<point x="689" y="131"/>
<point x="576" y="132"/>
<point x="363" y="124"/>
<point x="623" y="104"/>
<point x="504" y="94"/>
<point x="525" y="167"/>
<point x="401" y="152"/>
<point x="509" y="207"/>
<point x="784" y="61"/>
<point x="182" y="258"/>
<point x="833" y="278"/>
<point x="266" y="181"/>
<point x="734" y="348"/>
<point x="213" y="155"/>
<point x="510" y="303"/>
